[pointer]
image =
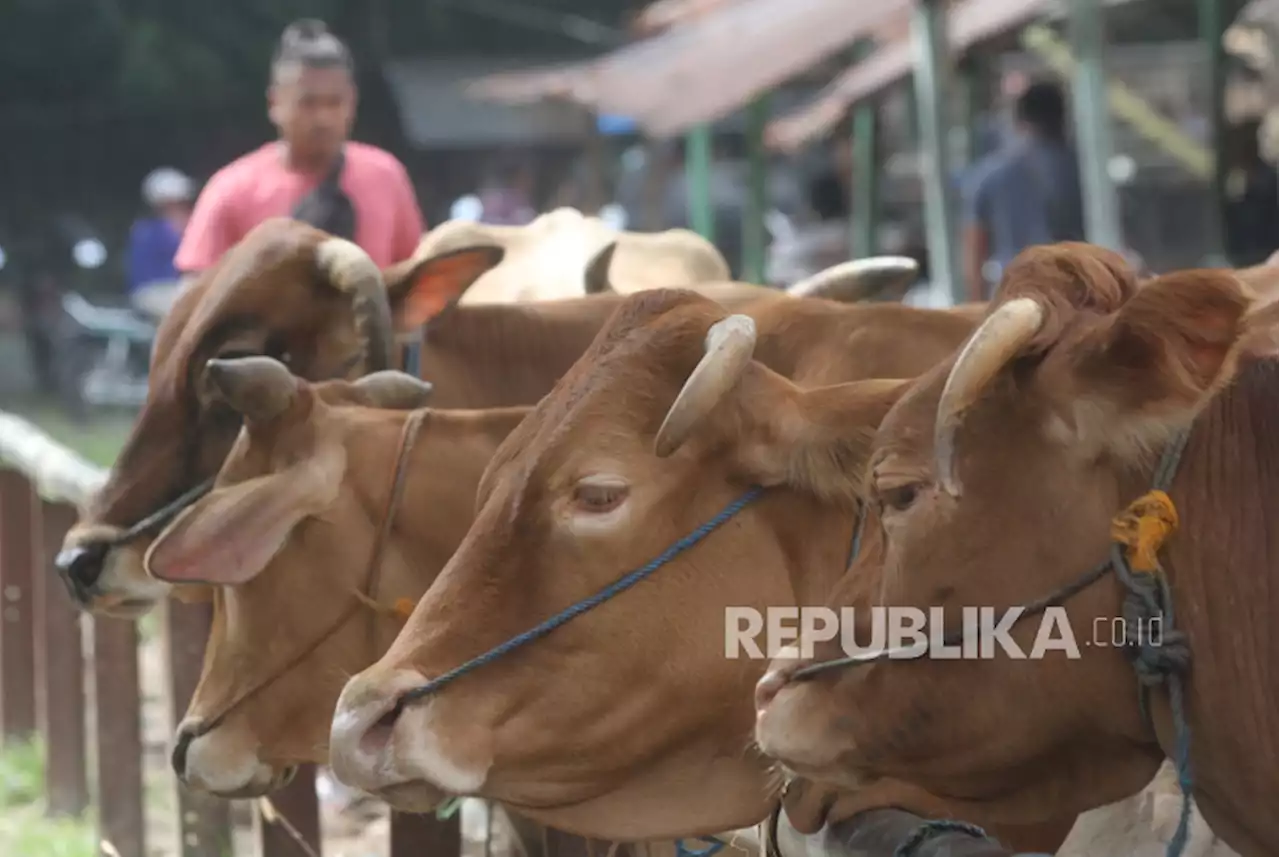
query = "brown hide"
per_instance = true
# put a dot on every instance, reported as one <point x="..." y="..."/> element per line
<point x="1001" y="491"/>
<point x="600" y="727"/>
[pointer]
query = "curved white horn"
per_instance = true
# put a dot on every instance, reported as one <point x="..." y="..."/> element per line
<point x="996" y="341"/>
<point x="349" y="269"/>
<point x="729" y="345"/>
<point x="858" y="279"/>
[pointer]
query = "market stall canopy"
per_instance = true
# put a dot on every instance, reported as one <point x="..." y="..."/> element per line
<point x="968" y="23"/>
<point x="703" y="70"/>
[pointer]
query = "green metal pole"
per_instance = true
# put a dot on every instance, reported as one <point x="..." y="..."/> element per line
<point x="697" y="176"/>
<point x="864" y="207"/>
<point x="753" y="239"/>
<point x="1211" y="29"/>
<point x="928" y="31"/>
<point x="1093" y="124"/>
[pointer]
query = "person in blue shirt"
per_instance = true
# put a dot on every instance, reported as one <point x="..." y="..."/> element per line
<point x="1027" y="192"/>
<point x="153" y="280"/>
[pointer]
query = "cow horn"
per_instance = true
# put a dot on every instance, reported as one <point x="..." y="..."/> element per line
<point x="596" y="278"/>
<point x="859" y="279"/>
<point x="349" y="269"/>
<point x="988" y="350"/>
<point x="394" y="390"/>
<point x="729" y="345"/>
<point x="258" y="388"/>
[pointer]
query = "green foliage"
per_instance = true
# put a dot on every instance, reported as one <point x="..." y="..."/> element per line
<point x="21" y="773"/>
<point x="23" y="827"/>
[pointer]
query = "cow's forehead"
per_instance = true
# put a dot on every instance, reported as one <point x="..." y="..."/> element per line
<point x="621" y="388"/>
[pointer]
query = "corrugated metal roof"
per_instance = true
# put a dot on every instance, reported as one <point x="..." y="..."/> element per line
<point x="706" y="69"/>
<point x="969" y="22"/>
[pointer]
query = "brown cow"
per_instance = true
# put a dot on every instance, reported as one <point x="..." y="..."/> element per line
<point x="317" y="303"/>
<point x="993" y="481"/>
<point x="628" y="722"/>
<point x="276" y="721"/>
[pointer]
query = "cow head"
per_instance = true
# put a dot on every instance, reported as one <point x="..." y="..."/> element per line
<point x="564" y="254"/>
<point x="992" y="483"/>
<point x="285" y="541"/>
<point x="315" y="302"/>
<point x="628" y="721"/>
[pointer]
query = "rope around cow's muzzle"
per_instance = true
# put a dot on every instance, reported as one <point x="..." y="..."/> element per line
<point x="1137" y="534"/>
<point x="161" y="516"/>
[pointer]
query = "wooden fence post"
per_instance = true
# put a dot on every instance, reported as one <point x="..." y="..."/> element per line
<point x="298" y="805"/>
<point x="18" y="562"/>
<point x="62" y="675"/>
<point x="204" y="822"/>
<point x="118" y="711"/>
<point x="425" y="835"/>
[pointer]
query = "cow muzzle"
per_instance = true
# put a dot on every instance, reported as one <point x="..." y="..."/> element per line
<point x="105" y="577"/>
<point x="223" y="765"/>
<point x="396" y="751"/>
<point x="793" y="720"/>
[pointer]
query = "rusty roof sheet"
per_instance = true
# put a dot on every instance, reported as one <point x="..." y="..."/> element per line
<point x="969" y="22"/>
<point x="665" y="14"/>
<point x="706" y="69"/>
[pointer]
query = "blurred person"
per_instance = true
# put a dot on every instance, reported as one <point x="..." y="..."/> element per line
<point x="313" y="172"/>
<point x="1026" y="192"/>
<point x="153" y="280"/>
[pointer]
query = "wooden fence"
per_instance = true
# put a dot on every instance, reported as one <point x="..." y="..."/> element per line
<point x="63" y="673"/>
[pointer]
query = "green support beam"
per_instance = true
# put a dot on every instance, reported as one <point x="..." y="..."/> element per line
<point x="1092" y="121"/>
<point x="928" y="31"/>
<point x="697" y="177"/>
<point x="753" y="233"/>
<point x="864" y="182"/>
<point x="1211" y="28"/>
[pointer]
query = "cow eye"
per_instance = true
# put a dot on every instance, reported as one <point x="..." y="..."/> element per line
<point x="898" y="497"/>
<point x="599" y="497"/>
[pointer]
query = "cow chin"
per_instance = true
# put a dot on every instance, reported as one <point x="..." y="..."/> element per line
<point x="121" y="589"/>
<point x="409" y="755"/>
<point x="226" y="765"/>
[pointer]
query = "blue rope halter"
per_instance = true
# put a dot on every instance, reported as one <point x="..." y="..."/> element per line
<point x="617" y="587"/>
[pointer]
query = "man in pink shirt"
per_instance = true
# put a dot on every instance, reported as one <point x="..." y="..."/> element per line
<point x="312" y="172"/>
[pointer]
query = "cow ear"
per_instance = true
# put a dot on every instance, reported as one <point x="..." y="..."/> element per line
<point x="816" y="440"/>
<point x="1147" y="369"/>
<point x="228" y="537"/>
<point x="420" y="289"/>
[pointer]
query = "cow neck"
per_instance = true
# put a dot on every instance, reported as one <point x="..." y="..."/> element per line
<point x="368" y="596"/>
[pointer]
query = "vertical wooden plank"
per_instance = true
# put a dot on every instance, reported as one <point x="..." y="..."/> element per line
<point x="118" y="709"/>
<point x="17" y="608"/>
<point x="425" y="835"/>
<point x="62" y="726"/>
<point x="204" y="822"/>
<point x="300" y="809"/>
<point x="864" y="182"/>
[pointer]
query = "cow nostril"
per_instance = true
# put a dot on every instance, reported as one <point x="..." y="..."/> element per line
<point x="770" y="685"/>
<point x="377" y="736"/>
<point x="82" y="564"/>
<point x="180" y="747"/>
